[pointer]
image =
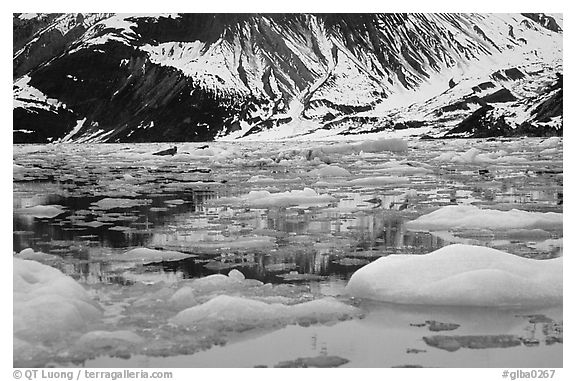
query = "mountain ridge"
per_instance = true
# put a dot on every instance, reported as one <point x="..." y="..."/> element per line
<point x="194" y="77"/>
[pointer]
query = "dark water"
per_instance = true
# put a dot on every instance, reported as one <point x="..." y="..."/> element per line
<point x="176" y="203"/>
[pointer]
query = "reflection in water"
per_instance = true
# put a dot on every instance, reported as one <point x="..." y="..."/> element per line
<point x="364" y="223"/>
<point x="175" y="203"/>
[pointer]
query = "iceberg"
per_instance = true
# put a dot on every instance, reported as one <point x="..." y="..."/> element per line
<point x="460" y="275"/>
<point x="329" y="171"/>
<point x="472" y="217"/>
<point x="42" y="211"/>
<point x="239" y="313"/>
<point x="144" y="255"/>
<point x="47" y="303"/>
<point x="378" y="181"/>
<point x="265" y="199"/>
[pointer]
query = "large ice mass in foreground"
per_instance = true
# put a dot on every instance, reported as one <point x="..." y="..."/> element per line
<point x="460" y="275"/>
<point x="47" y="303"/>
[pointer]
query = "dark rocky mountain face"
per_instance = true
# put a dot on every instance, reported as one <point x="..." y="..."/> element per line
<point x="195" y="77"/>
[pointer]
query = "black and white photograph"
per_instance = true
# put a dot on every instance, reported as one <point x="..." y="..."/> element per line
<point x="287" y="190"/>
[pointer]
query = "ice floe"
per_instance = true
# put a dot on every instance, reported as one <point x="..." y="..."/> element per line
<point x="377" y="181"/>
<point x="107" y="339"/>
<point x="145" y="255"/>
<point x="551" y="142"/>
<point x="548" y="245"/>
<point x="476" y="156"/>
<point x="119" y="203"/>
<point x="265" y="199"/>
<point x="329" y="171"/>
<point x="472" y="217"/>
<point x="47" y="303"/>
<point x="460" y="275"/>
<point x="231" y="312"/>
<point x="42" y="211"/>
<point x="369" y="146"/>
<point x="38" y="256"/>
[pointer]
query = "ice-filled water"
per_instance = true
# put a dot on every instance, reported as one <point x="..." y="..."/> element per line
<point x="238" y="254"/>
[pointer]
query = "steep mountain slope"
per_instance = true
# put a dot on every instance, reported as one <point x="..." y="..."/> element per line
<point x="191" y="77"/>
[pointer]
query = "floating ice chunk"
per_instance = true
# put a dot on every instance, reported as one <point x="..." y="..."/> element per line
<point x="119" y="203"/>
<point x="219" y="283"/>
<point x="377" y="181"/>
<point x="32" y="255"/>
<point x="472" y="217"/>
<point x="235" y="274"/>
<point x="265" y="199"/>
<point x="446" y="156"/>
<point x="460" y="275"/>
<point x="260" y="179"/>
<point x="476" y="156"/>
<point x="29" y="354"/>
<point x="548" y="245"/>
<point x="549" y="151"/>
<point x="47" y="303"/>
<point x="371" y="146"/>
<point x="404" y="169"/>
<point x="551" y="142"/>
<point x="42" y="211"/>
<point x="313" y="362"/>
<point x="329" y="171"/>
<point x="145" y="255"/>
<point x="107" y="339"/>
<point x="230" y="312"/>
<point x="391" y="145"/>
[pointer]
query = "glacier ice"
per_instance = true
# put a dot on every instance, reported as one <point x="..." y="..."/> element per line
<point x="41" y="211"/>
<point x="551" y="142"/>
<point x="145" y="255"/>
<point x="38" y="256"/>
<point x="329" y="171"/>
<point x="371" y="146"/>
<point x="265" y="199"/>
<point x="239" y="313"/>
<point x="472" y="217"/>
<point x="106" y="339"/>
<point x="47" y="303"/>
<point x="377" y="181"/>
<point x="119" y="203"/>
<point x="460" y="275"/>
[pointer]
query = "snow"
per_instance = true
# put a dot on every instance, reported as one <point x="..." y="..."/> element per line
<point x="462" y="275"/>
<point x="472" y="217"/>
<point x="41" y="211"/>
<point x="145" y="255"/>
<point x="74" y="131"/>
<point x="28" y="97"/>
<point x="28" y="16"/>
<point x="47" y="303"/>
<point x="239" y="313"/>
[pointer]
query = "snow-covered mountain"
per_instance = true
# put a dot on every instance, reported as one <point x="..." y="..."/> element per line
<point x="192" y="77"/>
